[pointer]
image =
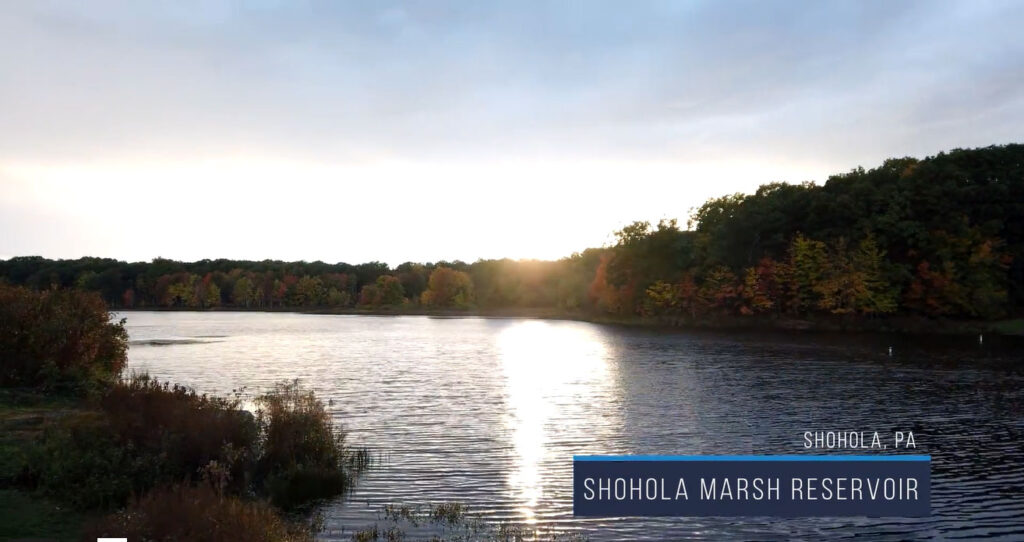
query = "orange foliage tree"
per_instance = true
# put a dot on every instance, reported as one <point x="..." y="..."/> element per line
<point x="448" y="288"/>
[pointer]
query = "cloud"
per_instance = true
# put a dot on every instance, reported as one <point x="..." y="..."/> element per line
<point x="801" y="88"/>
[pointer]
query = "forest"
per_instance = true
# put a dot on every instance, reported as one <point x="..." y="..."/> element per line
<point x="941" y="236"/>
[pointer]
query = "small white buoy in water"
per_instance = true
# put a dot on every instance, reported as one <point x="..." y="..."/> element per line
<point x="981" y="339"/>
<point x="890" y="351"/>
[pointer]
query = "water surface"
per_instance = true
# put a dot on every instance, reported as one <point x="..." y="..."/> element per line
<point x="489" y="412"/>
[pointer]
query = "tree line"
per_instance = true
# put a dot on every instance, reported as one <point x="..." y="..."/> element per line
<point x="940" y="237"/>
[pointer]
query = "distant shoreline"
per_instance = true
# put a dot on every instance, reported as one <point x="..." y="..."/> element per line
<point x="892" y="324"/>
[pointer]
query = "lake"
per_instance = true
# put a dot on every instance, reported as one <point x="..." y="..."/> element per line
<point x="489" y="412"/>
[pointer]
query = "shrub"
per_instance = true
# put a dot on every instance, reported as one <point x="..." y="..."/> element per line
<point x="302" y="456"/>
<point x="144" y="434"/>
<point x="82" y="463"/>
<point x="199" y="514"/>
<point x="189" y="430"/>
<point x="58" y="339"/>
<point x="147" y="434"/>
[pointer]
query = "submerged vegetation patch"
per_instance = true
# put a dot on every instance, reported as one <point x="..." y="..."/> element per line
<point x="168" y="342"/>
<point x="453" y="522"/>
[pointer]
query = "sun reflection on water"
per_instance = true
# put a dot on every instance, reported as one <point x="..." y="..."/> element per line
<point x="553" y="372"/>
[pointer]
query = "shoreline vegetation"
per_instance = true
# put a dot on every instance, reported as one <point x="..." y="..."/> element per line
<point x="935" y="244"/>
<point x="88" y="452"/>
<point x="893" y="324"/>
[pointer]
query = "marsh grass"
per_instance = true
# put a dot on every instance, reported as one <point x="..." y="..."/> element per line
<point x="25" y="514"/>
<point x="143" y="434"/>
<point x="454" y="522"/>
<point x="173" y="456"/>
<point x="198" y="513"/>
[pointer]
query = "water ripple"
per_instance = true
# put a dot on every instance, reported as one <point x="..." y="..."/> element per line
<point x="490" y="412"/>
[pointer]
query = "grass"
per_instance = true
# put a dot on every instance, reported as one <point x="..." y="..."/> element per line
<point x="198" y="513"/>
<point x="455" y="522"/>
<point x="77" y="440"/>
<point x="68" y="460"/>
<point x="298" y="445"/>
<point x="1009" y="327"/>
<point x="23" y="418"/>
<point x="24" y="513"/>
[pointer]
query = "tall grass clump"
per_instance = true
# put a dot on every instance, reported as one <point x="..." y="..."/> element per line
<point x="302" y="456"/>
<point x="58" y="340"/>
<point x="197" y="513"/>
<point x="455" y="522"/>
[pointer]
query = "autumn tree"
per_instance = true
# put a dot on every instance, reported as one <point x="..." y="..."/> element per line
<point x="390" y="290"/>
<point x="970" y="277"/>
<point x="369" y="296"/>
<point x="761" y="290"/>
<point x="607" y="296"/>
<point x="940" y="236"/>
<point x="308" y="292"/>
<point x="934" y="291"/>
<point x="128" y="298"/>
<point x="719" y="290"/>
<point x="448" y="288"/>
<point x="207" y="292"/>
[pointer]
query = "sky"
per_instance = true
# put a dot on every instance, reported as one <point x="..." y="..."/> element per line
<point x="426" y="131"/>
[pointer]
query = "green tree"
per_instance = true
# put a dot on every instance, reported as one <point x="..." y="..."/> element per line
<point x="182" y="291"/>
<point x="337" y="298"/>
<point x="244" y="293"/>
<point x="808" y="263"/>
<point x="211" y="295"/>
<point x="880" y="296"/>
<point x="390" y="290"/>
<point x="660" y="299"/>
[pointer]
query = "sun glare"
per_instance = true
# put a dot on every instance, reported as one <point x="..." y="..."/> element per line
<point x="552" y="370"/>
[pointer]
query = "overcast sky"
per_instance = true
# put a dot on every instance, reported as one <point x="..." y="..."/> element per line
<point x="429" y="130"/>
